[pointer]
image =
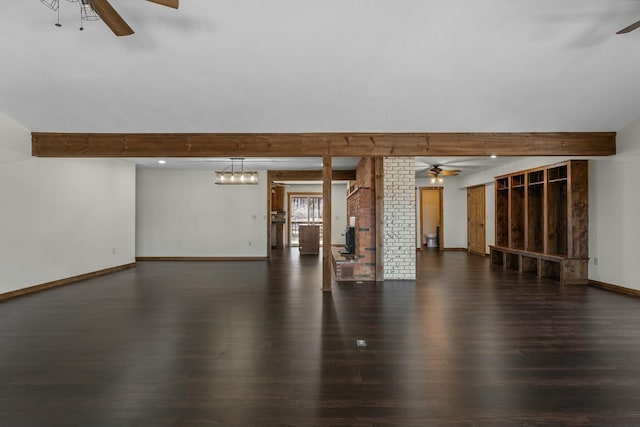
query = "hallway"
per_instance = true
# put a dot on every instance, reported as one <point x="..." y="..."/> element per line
<point x="257" y="344"/>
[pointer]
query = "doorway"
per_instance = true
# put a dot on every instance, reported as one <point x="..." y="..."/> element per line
<point x="304" y="209"/>
<point x="431" y="218"/>
<point x="475" y="220"/>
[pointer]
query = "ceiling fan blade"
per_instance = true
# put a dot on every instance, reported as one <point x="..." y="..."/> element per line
<point x="168" y="3"/>
<point x="629" y="28"/>
<point x="110" y="17"/>
<point x="451" y="172"/>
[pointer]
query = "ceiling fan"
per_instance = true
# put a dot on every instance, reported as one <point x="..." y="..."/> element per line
<point x="629" y="28"/>
<point x="436" y="173"/>
<point x="91" y="10"/>
<point x="114" y="21"/>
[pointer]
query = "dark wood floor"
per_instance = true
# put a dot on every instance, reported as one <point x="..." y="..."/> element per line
<point x="252" y="344"/>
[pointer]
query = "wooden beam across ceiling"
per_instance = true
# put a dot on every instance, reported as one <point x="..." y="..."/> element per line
<point x="310" y="175"/>
<point x="320" y="144"/>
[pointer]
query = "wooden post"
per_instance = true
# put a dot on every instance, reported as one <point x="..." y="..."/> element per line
<point x="269" y="187"/>
<point x="326" y="224"/>
<point x="379" y="204"/>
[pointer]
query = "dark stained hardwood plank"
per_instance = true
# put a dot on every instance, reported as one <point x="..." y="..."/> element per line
<point x="258" y="344"/>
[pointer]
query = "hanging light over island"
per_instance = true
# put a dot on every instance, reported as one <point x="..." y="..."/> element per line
<point x="234" y="174"/>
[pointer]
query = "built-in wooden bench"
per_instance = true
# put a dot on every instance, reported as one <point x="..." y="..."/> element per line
<point x="542" y="221"/>
<point x="564" y="269"/>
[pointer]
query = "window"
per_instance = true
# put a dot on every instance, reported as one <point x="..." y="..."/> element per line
<point x="305" y="209"/>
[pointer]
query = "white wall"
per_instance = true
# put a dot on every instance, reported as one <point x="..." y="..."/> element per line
<point x="184" y="214"/>
<point x="60" y="218"/>
<point x="614" y="209"/>
<point x="338" y="206"/>
<point x="454" y="215"/>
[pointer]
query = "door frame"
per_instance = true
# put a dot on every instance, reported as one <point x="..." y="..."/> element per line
<point x="484" y="217"/>
<point x="440" y="191"/>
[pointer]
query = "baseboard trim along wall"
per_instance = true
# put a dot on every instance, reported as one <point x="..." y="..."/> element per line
<point x="62" y="282"/>
<point x="615" y="288"/>
<point x="419" y="249"/>
<point x="200" y="258"/>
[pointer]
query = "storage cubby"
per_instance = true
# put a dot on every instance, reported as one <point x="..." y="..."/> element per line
<point x="535" y="212"/>
<point x="550" y="269"/>
<point x="557" y="218"/>
<point x="502" y="184"/>
<point x="497" y="257"/>
<point x="557" y="173"/>
<point x="535" y="177"/>
<point x="502" y="216"/>
<point x="517" y="181"/>
<point x="529" y="264"/>
<point x="542" y="221"/>
<point x="517" y="217"/>
<point x="512" y="261"/>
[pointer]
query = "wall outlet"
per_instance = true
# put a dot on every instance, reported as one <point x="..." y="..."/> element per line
<point x="595" y="261"/>
<point x="113" y="251"/>
<point x="250" y="243"/>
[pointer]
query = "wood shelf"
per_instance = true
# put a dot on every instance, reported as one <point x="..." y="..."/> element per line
<point x="556" y="173"/>
<point x="502" y="184"/>
<point x="536" y="177"/>
<point x="542" y="227"/>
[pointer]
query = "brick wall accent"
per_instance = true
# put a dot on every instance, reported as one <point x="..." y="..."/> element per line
<point x="361" y="204"/>
<point x="399" y="218"/>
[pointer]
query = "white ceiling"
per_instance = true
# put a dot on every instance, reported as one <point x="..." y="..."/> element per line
<point x="252" y="163"/>
<point x="467" y="165"/>
<point x="324" y="66"/>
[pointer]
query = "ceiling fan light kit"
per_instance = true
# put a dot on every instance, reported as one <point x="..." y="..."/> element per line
<point x="87" y="13"/>
<point x="436" y="173"/>
<point x="51" y="4"/>
<point x="95" y="10"/>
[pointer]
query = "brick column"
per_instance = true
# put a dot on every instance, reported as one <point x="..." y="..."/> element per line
<point x="399" y="218"/>
<point x="361" y="205"/>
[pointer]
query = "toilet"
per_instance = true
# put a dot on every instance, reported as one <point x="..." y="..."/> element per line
<point x="431" y="240"/>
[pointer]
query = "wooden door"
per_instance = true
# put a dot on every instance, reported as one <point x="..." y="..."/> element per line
<point x="475" y="219"/>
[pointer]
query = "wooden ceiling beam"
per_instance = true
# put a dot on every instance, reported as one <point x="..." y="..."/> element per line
<point x="310" y="175"/>
<point x="320" y="144"/>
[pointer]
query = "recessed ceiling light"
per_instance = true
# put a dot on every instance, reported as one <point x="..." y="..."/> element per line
<point x="493" y="156"/>
<point x="162" y="162"/>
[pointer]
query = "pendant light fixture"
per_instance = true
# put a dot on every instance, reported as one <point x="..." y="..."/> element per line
<point x="234" y="174"/>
